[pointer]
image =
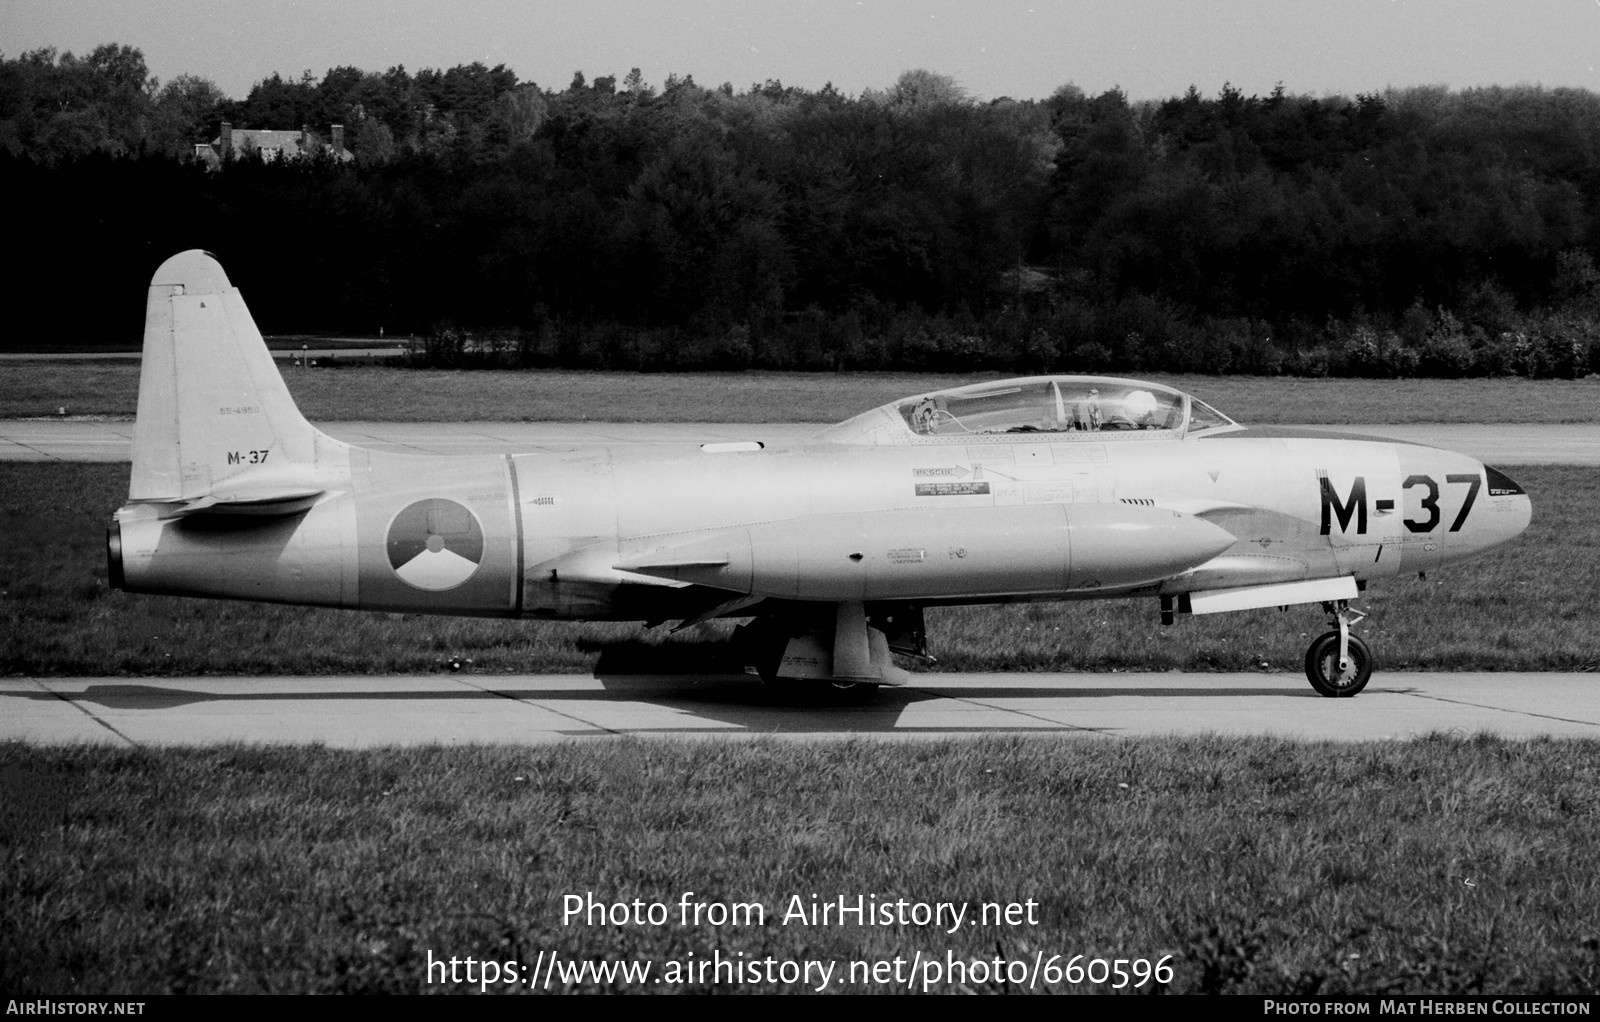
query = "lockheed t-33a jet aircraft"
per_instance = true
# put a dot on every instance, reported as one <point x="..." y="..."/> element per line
<point x="1045" y="488"/>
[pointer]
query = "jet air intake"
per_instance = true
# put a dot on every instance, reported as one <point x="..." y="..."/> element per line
<point x="925" y="553"/>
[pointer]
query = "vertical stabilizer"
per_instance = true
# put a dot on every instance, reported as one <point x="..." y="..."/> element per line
<point x="212" y="404"/>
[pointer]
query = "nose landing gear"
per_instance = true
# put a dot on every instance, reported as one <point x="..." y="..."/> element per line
<point x="1339" y="664"/>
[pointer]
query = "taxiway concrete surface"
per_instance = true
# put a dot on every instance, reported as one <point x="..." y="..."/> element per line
<point x="356" y="712"/>
<point x="112" y="440"/>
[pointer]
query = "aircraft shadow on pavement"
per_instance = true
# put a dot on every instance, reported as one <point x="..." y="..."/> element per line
<point x="721" y="701"/>
<point x="709" y="667"/>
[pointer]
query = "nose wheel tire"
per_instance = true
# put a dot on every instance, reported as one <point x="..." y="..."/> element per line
<point x="1322" y="666"/>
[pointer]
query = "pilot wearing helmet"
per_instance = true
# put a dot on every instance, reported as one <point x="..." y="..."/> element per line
<point x="1140" y="408"/>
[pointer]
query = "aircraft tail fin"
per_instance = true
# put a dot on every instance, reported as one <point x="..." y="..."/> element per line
<point x="212" y="405"/>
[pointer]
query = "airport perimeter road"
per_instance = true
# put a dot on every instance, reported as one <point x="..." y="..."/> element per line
<point x="451" y="709"/>
<point x="111" y="440"/>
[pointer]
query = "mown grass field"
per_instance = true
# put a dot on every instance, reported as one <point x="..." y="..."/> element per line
<point x="1526" y="607"/>
<point x="423" y="395"/>
<point x="1441" y="865"/>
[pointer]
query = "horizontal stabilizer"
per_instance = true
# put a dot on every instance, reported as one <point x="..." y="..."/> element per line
<point x="258" y="504"/>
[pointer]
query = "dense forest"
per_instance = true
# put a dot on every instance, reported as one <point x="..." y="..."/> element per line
<point x="612" y="224"/>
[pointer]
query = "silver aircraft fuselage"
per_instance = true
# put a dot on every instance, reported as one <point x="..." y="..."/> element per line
<point x="555" y="525"/>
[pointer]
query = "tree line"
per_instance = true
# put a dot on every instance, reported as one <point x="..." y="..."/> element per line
<point x="611" y="224"/>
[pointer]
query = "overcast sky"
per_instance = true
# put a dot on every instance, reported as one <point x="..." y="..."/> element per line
<point x="1152" y="49"/>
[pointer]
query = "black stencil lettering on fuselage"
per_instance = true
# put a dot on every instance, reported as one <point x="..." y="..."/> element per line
<point x="1473" y="482"/>
<point x="1429" y="503"/>
<point x="1355" y="507"/>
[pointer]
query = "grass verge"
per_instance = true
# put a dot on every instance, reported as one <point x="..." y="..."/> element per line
<point x="1440" y="865"/>
<point x="426" y="395"/>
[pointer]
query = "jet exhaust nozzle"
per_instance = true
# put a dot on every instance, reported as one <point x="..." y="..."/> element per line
<point x="114" y="576"/>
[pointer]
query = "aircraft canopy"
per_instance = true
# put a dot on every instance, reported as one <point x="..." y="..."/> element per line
<point x="1066" y="407"/>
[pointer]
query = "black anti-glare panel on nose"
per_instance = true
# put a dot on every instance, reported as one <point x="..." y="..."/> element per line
<point x="1500" y="485"/>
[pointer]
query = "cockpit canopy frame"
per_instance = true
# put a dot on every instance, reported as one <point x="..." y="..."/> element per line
<point x="1061" y="408"/>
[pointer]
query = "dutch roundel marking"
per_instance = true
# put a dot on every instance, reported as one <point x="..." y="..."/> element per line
<point x="435" y="544"/>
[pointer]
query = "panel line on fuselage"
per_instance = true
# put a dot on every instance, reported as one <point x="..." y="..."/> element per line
<point x="517" y="584"/>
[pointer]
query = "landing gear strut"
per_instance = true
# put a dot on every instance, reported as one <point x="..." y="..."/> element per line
<point x="844" y="648"/>
<point x="1339" y="664"/>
